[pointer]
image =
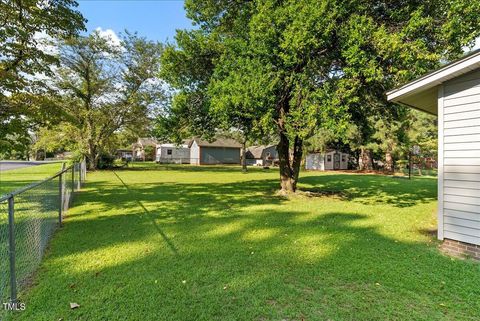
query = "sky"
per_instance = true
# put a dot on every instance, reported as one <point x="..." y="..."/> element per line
<point x="153" y="19"/>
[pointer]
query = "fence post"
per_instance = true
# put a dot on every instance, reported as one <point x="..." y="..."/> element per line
<point x="79" y="183"/>
<point x="73" y="180"/>
<point x="60" y="193"/>
<point x="11" y="249"/>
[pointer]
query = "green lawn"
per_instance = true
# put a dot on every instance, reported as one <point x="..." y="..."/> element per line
<point x="211" y="243"/>
<point x="17" y="178"/>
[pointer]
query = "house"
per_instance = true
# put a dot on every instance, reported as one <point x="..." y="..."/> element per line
<point x="171" y="153"/>
<point x="330" y="160"/>
<point x="262" y="155"/>
<point x="220" y="151"/>
<point x="144" y="149"/>
<point x="453" y="93"/>
<point x="124" y="154"/>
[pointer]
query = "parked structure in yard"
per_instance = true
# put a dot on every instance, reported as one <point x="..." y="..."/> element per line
<point x="144" y="149"/>
<point x="171" y="153"/>
<point x="124" y="154"/>
<point x="220" y="151"/>
<point x="330" y="160"/>
<point x="453" y="93"/>
<point x="262" y="155"/>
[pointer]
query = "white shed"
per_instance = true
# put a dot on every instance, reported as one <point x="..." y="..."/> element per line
<point x="330" y="160"/>
<point x="171" y="153"/>
<point x="453" y="93"/>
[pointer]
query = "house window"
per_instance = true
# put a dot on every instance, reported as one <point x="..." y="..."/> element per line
<point x="329" y="158"/>
<point x="169" y="152"/>
<point x="344" y="159"/>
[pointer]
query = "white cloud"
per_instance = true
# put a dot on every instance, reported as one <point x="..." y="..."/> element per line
<point x="46" y="43"/>
<point x="475" y="47"/>
<point x="109" y="35"/>
<point x="477" y="44"/>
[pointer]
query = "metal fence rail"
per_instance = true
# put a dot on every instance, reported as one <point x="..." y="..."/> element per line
<point x="28" y="218"/>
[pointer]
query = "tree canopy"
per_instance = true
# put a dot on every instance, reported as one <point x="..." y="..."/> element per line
<point x="102" y="88"/>
<point x="294" y="67"/>
<point x="26" y="29"/>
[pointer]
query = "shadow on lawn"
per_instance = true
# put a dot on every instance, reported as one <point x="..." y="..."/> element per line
<point x="373" y="189"/>
<point x="219" y="257"/>
<point x="325" y="268"/>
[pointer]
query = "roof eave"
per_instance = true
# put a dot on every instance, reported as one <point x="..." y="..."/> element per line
<point x="434" y="79"/>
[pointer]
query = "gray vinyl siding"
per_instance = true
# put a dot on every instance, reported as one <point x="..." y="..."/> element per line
<point x="219" y="155"/>
<point x="461" y="159"/>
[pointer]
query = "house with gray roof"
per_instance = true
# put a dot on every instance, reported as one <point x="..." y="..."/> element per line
<point x="262" y="155"/>
<point x="219" y="151"/>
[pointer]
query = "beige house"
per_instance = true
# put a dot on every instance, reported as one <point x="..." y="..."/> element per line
<point x="144" y="149"/>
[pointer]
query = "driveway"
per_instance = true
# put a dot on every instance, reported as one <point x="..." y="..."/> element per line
<point x="8" y="165"/>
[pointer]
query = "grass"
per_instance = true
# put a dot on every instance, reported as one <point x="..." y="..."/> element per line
<point x="210" y="243"/>
<point x="16" y="178"/>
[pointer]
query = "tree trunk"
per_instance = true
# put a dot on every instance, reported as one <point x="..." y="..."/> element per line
<point x="92" y="156"/>
<point x="244" y="156"/>
<point x="289" y="168"/>
<point x="366" y="158"/>
<point x="388" y="162"/>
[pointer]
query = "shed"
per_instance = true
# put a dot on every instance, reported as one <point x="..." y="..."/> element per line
<point x="453" y="93"/>
<point x="262" y="155"/>
<point x="219" y="151"/>
<point x="172" y="153"/>
<point x="329" y="160"/>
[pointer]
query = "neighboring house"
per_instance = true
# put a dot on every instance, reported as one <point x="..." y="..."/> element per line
<point x="124" y="154"/>
<point x="262" y="155"/>
<point x="144" y="149"/>
<point x="330" y="160"/>
<point x="220" y="151"/>
<point x="171" y="153"/>
<point x="453" y="93"/>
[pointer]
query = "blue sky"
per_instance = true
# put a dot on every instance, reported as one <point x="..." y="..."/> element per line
<point x="154" y="19"/>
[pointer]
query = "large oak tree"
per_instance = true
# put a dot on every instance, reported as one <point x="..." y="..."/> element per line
<point x="299" y="65"/>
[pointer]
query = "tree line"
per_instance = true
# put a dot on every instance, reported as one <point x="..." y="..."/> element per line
<point x="302" y="74"/>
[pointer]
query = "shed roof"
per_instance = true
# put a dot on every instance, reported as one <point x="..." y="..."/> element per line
<point x="218" y="142"/>
<point x="422" y="93"/>
<point x="254" y="152"/>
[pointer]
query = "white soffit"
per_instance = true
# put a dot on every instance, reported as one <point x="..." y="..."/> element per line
<point x="422" y="94"/>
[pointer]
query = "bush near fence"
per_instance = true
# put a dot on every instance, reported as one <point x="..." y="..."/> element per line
<point x="28" y="218"/>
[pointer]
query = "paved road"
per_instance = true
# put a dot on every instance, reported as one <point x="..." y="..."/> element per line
<point x="8" y="165"/>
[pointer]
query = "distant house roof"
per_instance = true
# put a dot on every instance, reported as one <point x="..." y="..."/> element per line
<point x="147" y="141"/>
<point x="328" y="151"/>
<point x="218" y="142"/>
<point x="254" y="152"/>
<point x="183" y="145"/>
<point x="422" y="93"/>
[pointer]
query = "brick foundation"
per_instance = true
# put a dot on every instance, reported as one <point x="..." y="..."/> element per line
<point x="461" y="249"/>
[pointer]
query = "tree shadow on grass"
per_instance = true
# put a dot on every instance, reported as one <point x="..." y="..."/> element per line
<point x="193" y="168"/>
<point x="232" y="251"/>
<point x="260" y="266"/>
<point x="372" y="189"/>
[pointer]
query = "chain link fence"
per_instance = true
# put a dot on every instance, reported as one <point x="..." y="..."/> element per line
<point x="417" y="166"/>
<point x="28" y="218"/>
